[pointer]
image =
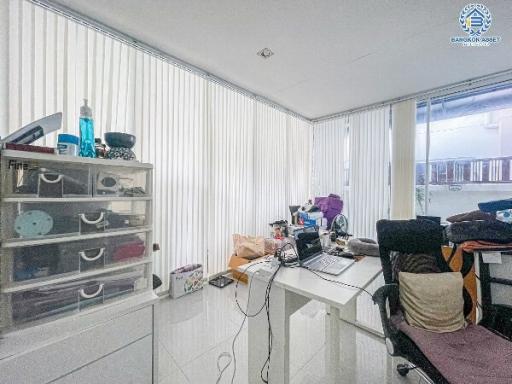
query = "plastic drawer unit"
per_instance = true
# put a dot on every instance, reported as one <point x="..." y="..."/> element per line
<point x="75" y="232"/>
<point x="49" y="261"/>
<point x="32" y="304"/>
<point x="39" y="220"/>
<point x="49" y="179"/>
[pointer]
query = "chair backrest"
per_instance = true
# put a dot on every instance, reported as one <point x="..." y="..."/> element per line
<point x="411" y="237"/>
<point x="418" y="237"/>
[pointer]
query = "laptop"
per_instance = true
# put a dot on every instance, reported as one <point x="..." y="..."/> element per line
<point x="311" y="255"/>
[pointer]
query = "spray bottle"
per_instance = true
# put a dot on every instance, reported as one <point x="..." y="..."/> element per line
<point x="86" y="122"/>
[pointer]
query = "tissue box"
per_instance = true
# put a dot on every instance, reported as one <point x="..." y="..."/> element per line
<point x="185" y="280"/>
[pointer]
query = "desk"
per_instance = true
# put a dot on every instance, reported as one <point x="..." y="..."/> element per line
<point x="293" y="288"/>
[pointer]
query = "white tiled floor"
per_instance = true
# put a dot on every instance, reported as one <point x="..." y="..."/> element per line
<point x="195" y="329"/>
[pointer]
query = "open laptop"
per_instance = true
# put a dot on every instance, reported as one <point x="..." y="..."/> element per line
<point x="311" y="255"/>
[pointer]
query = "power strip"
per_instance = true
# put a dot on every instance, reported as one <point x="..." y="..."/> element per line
<point x="267" y="270"/>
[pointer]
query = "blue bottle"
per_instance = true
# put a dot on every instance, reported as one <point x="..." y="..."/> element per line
<point x="87" y="148"/>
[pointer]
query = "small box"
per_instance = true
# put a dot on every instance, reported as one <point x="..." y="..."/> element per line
<point x="185" y="280"/>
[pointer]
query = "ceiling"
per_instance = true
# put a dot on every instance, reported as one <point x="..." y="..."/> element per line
<point x="330" y="55"/>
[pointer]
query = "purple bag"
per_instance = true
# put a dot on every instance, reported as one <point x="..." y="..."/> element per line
<point x="330" y="206"/>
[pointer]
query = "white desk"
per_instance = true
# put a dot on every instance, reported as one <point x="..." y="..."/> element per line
<point x="293" y="288"/>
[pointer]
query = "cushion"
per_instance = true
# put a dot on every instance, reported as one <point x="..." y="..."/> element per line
<point x="433" y="301"/>
<point x="414" y="263"/>
<point x="471" y="216"/>
<point x="363" y="246"/>
<point x="472" y="355"/>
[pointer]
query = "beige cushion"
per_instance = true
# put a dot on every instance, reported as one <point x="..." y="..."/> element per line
<point x="433" y="301"/>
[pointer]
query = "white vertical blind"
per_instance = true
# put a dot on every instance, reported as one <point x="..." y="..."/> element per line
<point x="299" y="152"/>
<point x="224" y="162"/>
<point x="271" y="173"/>
<point x="231" y="162"/>
<point x="369" y="170"/>
<point x="329" y="153"/>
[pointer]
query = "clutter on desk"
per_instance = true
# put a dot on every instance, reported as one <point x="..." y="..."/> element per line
<point x="279" y="229"/>
<point x="86" y="128"/>
<point x="330" y="206"/>
<point x="120" y="146"/>
<point x="186" y="280"/>
<point x="339" y="227"/>
<point x="247" y="249"/>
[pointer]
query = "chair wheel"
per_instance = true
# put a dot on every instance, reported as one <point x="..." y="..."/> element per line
<point x="403" y="369"/>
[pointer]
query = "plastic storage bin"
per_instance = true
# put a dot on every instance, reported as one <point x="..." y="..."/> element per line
<point x="44" y="179"/>
<point x="121" y="182"/>
<point x="45" y="301"/>
<point x="34" y="220"/>
<point x="50" y="261"/>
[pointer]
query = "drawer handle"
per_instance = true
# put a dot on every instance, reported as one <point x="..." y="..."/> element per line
<point x="87" y="221"/>
<point x="93" y="258"/>
<point x="57" y="180"/>
<point x="92" y="295"/>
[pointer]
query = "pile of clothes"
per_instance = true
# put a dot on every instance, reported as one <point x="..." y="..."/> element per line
<point x="488" y="229"/>
<point x="492" y="222"/>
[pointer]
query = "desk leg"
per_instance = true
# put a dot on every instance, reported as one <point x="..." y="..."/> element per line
<point x="340" y="351"/>
<point x="332" y="349"/>
<point x="282" y="305"/>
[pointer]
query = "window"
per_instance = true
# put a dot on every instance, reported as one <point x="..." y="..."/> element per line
<point x="464" y="156"/>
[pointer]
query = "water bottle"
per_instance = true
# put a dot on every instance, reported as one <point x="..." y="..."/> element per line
<point x="87" y="145"/>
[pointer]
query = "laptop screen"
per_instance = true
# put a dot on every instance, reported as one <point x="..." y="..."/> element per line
<point x="308" y="243"/>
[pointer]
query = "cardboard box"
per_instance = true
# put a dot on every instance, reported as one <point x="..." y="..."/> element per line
<point x="235" y="262"/>
<point x="186" y="280"/>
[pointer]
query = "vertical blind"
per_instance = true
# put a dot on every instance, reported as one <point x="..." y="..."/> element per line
<point x="329" y="155"/>
<point x="224" y="162"/>
<point x="351" y="157"/>
<point x="369" y="170"/>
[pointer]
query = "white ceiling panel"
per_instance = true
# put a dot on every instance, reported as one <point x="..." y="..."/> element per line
<point x="330" y="55"/>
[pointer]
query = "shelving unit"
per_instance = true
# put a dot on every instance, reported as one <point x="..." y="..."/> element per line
<point x="76" y="241"/>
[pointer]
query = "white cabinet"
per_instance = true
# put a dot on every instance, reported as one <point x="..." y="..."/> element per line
<point x="130" y="365"/>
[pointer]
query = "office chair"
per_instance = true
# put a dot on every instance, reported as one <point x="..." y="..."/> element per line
<point x="423" y="239"/>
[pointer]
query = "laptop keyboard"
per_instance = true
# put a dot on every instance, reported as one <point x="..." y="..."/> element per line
<point x="323" y="262"/>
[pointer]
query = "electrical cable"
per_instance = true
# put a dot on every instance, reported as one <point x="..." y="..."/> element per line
<point x="270" y="334"/>
<point x="232" y="356"/>
<point x="336" y="281"/>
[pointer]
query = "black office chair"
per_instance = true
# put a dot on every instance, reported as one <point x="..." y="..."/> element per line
<point x="415" y="237"/>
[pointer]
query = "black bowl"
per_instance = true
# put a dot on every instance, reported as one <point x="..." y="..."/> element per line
<point x="119" y="140"/>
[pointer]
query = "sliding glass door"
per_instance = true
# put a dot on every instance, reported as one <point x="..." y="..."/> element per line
<point x="463" y="151"/>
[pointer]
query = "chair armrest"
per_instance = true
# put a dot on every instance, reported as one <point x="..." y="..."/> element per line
<point x="384" y="295"/>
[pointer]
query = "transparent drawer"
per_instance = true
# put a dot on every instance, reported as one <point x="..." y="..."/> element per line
<point x="53" y="260"/>
<point x="121" y="182"/>
<point x="32" y="220"/>
<point x="64" y="298"/>
<point x="30" y="178"/>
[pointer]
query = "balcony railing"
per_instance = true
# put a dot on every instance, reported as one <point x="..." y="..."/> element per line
<point x="467" y="171"/>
